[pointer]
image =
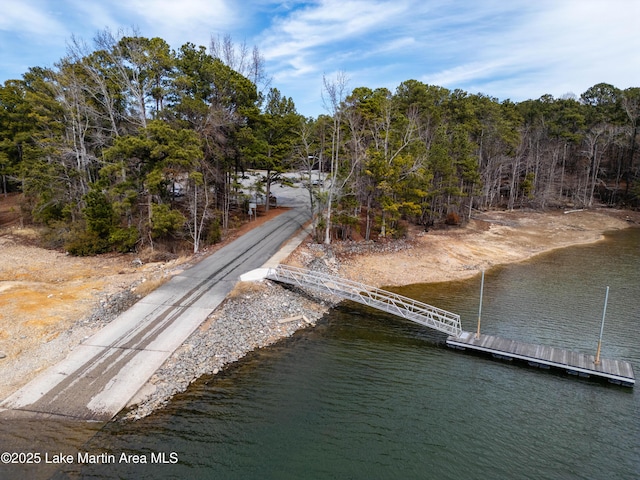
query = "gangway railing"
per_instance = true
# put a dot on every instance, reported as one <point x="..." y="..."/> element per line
<point x="389" y="302"/>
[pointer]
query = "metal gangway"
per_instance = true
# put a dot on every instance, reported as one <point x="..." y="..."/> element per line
<point x="393" y="303"/>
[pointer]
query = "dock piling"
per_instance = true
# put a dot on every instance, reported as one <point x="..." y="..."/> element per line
<point x="604" y="312"/>
<point x="480" y="307"/>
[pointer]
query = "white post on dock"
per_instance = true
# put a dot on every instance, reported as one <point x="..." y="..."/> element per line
<point x="604" y="312"/>
<point x="480" y="307"/>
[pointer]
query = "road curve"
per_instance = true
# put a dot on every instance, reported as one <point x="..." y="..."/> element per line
<point x="104" y="372"/>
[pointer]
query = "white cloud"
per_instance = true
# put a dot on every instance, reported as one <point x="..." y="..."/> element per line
<point x="464" y="73"/>
<point x="177" y="22"/>
<point x="95" y="16"/>
<point x="325" y="24"/>
<point x="29" y="31"/>
<point x="546" y="47"/>
<point x="29" y="17"/>
<point x="183" y="14"/>
<point x="399" y="40"/>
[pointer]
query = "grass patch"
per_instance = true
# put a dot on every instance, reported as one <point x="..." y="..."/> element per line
<point x="145" y="288"/>
<point x="246" y="288"/>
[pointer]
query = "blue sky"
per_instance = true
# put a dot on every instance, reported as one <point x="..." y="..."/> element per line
<point x="515" y="49"/>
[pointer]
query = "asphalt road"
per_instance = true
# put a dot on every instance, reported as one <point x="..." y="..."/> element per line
<point x="103" y="373"/>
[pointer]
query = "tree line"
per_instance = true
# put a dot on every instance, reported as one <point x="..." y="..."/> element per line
<point x="129" y="144"/>
<point x="427" y="154"/>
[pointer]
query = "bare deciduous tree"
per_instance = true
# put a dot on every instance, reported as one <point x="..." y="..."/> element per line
<point x="333" y="96"/>
<point x="238" y="57"/>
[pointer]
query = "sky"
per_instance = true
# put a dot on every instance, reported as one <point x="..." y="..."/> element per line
<point x="507" y="49"/>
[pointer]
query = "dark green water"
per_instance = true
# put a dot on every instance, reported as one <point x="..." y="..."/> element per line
<point x="365" y="395"/>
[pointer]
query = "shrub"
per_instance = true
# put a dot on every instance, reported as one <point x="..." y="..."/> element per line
<point x="98" y="213"/>
<point x="452" y="219"/>
<point x="214" y="232"/>
<point x="124" y="240"/>
<point x="87" y="243"/>
<point x="165" y="220"/>
<point x="399" y="231"/>
<point x="57" y="234"/>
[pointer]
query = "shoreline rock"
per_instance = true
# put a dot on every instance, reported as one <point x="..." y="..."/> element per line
<point x="255" y="315"/>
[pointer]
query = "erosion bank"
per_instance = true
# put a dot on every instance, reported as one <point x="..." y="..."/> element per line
<point x="489" y="239"/>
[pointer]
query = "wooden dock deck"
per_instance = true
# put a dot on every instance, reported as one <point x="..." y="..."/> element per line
<point x="574" y="363"/>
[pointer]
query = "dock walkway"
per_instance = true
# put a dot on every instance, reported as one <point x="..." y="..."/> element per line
<point x="418" y="312"/>
<point x="579" y="364"/>
<point x="574" y="363"/>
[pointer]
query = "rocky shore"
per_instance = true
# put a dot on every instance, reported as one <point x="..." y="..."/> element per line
<point x="254" y="316"/>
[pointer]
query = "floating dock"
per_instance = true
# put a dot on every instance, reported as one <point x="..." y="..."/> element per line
<point x="574" y="363"/>
<point x="615" y="371"/>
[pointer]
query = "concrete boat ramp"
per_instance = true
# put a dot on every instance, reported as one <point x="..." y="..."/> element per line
<point x="101" y="375"/>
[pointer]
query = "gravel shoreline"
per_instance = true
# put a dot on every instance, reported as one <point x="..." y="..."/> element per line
<point x="254" y="315"/>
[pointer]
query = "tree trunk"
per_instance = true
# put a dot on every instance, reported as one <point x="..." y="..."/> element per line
<point x="368" y="227"/>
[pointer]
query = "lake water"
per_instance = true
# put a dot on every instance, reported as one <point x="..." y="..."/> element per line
<point x="366" y="395"/>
